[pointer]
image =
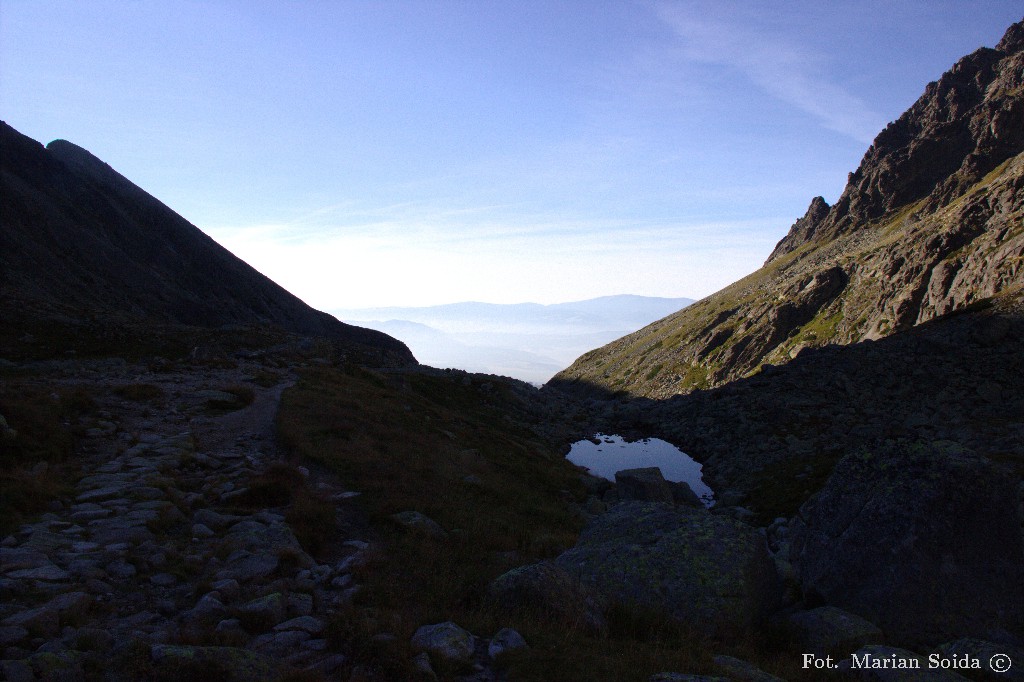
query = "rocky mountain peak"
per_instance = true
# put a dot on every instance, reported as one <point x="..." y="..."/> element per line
<point x="962" y="127"/>
<point x="1013" y="39"/>
<point x="804" y="229"/>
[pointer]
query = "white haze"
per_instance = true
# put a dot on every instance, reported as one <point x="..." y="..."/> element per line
<point x="527" y="341"/>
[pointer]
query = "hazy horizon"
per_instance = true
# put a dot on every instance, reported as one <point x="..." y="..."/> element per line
<point x="526" y="341"/>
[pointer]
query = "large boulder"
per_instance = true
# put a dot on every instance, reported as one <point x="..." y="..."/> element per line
<point x="711" y="572"/>
<point x="548" y="592"/>
<point x="923" y="541"/>
<point x="646" y="484"/>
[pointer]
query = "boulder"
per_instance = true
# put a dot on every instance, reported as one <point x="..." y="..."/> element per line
<point x="683" y="494"/>
<point x="711" y="572"/>
<point x="828" y="630"/>
<point x="417" y="522"/>
<point x="645" y="484"/>
<point x="549" y="592"/>
<point x="924" y="542"/>
<point x="446" y="641"/>
<point x="505" y="639"/>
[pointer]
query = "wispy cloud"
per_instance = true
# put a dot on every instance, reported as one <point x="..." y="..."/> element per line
<point x="793" y="74"/>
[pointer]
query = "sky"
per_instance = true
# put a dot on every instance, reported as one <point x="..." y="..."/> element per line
<point x="410" y="153"/>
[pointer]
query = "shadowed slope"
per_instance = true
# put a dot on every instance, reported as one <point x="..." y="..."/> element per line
<point x="80" y="240"/>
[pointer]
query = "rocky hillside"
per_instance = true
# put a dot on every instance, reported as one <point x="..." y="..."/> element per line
<point x="931" y="222"/>
<point x="81" y="243"/>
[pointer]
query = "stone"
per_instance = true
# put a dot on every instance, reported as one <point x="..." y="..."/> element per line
<point x="17" y="671"/>
<point x="212" y="662"/>
<point x="43" y="621"/>
<point x="742" y="671"/>
<point x="93" y="639"/>
<point x="12" y="634"/>
<point x="417" y="522"/>
<point x="48" y="573"/>
<point x="683" y="494"/>
<point x="504" y="640"/>
<point x="262" y="613"/>
<point x="201" y="531"/>
<point x="446" y="641"/>
<point x="986" y="653"/>
<point x="163" y="580"/>
<point x="313" y="626"/>
<point x="207" y="611"/>
<point x="550" y="593"/>
<point x="71" y="605"/>
<point x="246" y="567"/>
<point x="710" y="572"/>
<point x="828" y="630"/>
<point x="228" y="588"/>
<point x="924" y="542"/>
<point x="421" y="662"/>
<point x="645" y="484"/>
<point x="16" y="559"/>
<point x="120" y="569"/>
<point x="212" y="519"/>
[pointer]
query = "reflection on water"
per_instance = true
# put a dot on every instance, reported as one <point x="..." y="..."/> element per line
<point x="614" y="453"/>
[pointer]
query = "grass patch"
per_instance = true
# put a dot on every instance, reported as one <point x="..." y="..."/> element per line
<point x="36" y="443"/>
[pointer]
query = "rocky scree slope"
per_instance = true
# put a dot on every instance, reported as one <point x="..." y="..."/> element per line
<point x="80" y="242"/>
<point x="931" y="222"/>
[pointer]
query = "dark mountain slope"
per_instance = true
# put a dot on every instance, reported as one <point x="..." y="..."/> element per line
<point x="80" y="240"/>
<point x="932" y="221"/>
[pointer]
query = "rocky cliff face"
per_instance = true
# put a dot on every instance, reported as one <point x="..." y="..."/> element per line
<point x="81" y="242"/>
<point x="931" y="222"/>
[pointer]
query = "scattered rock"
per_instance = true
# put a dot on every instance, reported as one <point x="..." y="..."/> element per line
<point x="505" y="640"/>
<point x="417" y="522"/>
<point x="447" y="641"/>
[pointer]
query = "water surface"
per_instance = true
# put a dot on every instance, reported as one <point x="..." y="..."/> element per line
<point x="614" y="453"/>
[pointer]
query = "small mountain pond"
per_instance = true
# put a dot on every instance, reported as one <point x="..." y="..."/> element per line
<point x="614" y="453"/>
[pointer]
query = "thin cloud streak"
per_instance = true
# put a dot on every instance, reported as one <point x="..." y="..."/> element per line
<point x="780" y="69"/>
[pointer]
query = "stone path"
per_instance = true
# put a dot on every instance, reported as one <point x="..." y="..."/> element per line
<point x="152" y="559"/>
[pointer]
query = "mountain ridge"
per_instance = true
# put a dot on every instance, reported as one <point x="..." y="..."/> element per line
<point x="82" y="242"/>
<point x="931" y="222"/>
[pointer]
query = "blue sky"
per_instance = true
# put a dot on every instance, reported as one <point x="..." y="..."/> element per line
<point x="414" y="153"/>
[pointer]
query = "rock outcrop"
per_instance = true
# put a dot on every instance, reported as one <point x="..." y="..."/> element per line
<point x="924" y="542"/>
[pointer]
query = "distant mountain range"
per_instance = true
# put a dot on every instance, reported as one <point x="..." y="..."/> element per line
<point x="528" y="341"/>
